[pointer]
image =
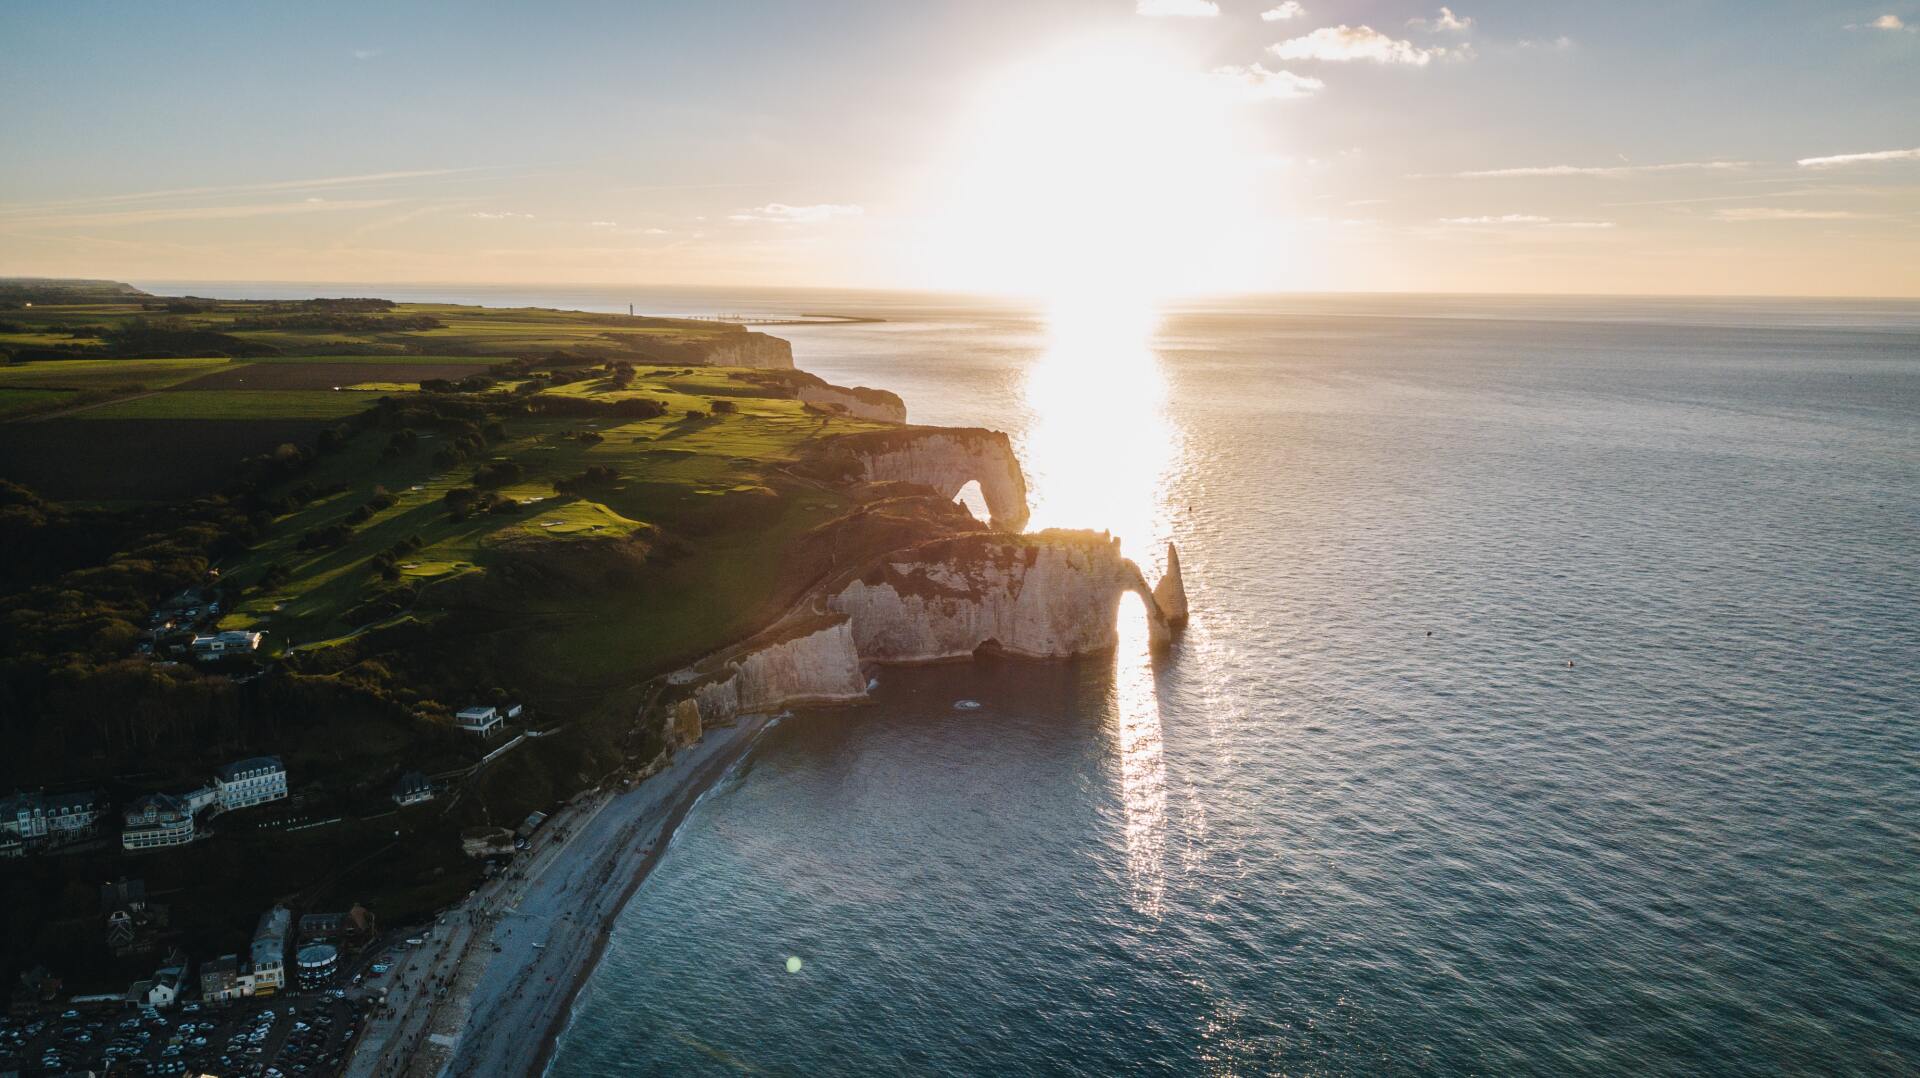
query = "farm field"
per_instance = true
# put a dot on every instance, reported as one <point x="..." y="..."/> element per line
<point x="292" y="373"/>
<point x="184" y="402"/>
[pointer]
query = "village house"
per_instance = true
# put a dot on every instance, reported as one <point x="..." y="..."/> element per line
<point x="156" y="820"/>
<point x="225" y="645"/>
<point x="169" y="982"/>
<point x="133" y="922"/>
<point x="252" y="781"/>
<point x="220" y="979"/>
<point x="269" y="953"/>
<point x="412" y="789"/>
<point x="28" y="820"/>
<point x="484" y="721"/>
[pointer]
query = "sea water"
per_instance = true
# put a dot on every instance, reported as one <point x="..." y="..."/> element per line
<point x="1551" y="705"/>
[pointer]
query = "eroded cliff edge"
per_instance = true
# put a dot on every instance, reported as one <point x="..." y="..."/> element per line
<point x="943" y="590"/>
<point x="944" y="459"/>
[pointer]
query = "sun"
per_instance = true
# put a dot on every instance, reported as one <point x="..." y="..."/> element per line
<point x="1102" y="173"/>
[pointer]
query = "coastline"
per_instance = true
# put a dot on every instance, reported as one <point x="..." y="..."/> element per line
<point x="477" y="1011"/>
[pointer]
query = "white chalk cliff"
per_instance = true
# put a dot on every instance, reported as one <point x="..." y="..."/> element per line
<point x="946" y="459"/>
<point x="861" y="403"/>
<point x="814" y="667"/>
<point x="1049" y="595"/>
<point x="749" y="350"/>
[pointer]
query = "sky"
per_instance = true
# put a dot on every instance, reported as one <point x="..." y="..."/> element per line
<point x="1151" y="146"/>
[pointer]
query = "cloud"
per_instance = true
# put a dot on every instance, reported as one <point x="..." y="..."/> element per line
<point x="603" y="224"/>
<point x="1343" y="43"/>
<point x="1527" y="219"/>
<point x="365" y="54"/>
<point x="192" y="213"/>
<point x="503" y="215"/>
<point x="1859" y="158"/>
<point x="1289" y="10"/>
<point x="782" y="213"/>
<point x="368" y="179"/>
<point x="1884" y="22"/>
<point x="1554" y="44"/>
<point x="1772" y="213"/>
<point x="1446" y="20"/>
<point x="1188" y="9"/>
<point x="1259" y="84"/>
<point x="1590" y="170"/>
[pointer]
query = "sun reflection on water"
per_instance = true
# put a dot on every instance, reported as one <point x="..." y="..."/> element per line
<point x="1143" y="771"/>
<point x="1097" y="450"/>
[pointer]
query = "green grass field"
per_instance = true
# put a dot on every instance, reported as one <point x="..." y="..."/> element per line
<point x="27" y="401"/>
<point x="109" y="373"/>
<point x="713" y="483"/>
<point x="234" y="404"/>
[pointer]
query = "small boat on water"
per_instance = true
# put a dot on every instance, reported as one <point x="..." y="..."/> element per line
<point x="966" y="705"/>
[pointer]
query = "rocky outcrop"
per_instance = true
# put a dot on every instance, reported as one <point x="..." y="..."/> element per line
<point x="943" y="458"/>
<point x="1050" y="595"/>
<point x="813" y="665"/>
<point x="858" y="401"/>
<point x="747" y="349"/>
<point x="1171" y="591"/>
<point x="683" y="725"/>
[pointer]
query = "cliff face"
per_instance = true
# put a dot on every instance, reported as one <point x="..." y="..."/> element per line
<point x="945" y="459"/>
<point x="1050" y="595"/>
<point x="750" y="350"/>
<point x="861" y="403"/>
<point x="814" y="667"/>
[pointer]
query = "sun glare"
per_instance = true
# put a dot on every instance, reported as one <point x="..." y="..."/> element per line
<point x="1101" y="175"/>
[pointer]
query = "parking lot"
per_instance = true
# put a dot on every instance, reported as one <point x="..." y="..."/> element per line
<point x="274" y="1037"/>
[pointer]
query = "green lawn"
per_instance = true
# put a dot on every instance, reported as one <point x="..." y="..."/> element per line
<point x="711" y="487"/>
<point x="27" y="401"/>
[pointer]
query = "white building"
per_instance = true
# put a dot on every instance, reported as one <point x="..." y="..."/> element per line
<point x="252" y="781"/>
<point x="480" y="720"/>
<point x="156" y="820"/>
<point x="225" y="645"/>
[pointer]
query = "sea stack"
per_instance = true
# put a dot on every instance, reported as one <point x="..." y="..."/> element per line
<point x="1171" y="592"/>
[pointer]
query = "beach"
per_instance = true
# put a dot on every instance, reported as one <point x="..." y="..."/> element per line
<point x="458" y="1006"/>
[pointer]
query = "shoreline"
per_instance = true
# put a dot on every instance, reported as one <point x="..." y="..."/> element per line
<point x="692" y="792"/>
<point x="478" y="1011"/>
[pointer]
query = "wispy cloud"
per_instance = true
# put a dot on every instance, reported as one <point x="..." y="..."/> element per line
<point x="500" y="215"/>
<point x="784" y="214"/>
<point x="367" y="179"/>
<point x="365" y="54"/>
<point x="1884" y="22"/>
<point x="1589" y="170"/>
<point x="1187" y="9"/>
<point x="1523" y="219"/>
<point x="154" y="214"/>
<point x="1289" y="10"/>
<point x="1775" y="213"/>
<point x="1551" y="44"/>
<point x="1859" y="158"/>
<point x="1346" y="43"/>
<point x="603" y="224"/>
<point x="1446" y="20"/>
<point x="1256" y="82"/>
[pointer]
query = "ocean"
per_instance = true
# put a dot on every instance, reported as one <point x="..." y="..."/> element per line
<point x="1551" y="706"/>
